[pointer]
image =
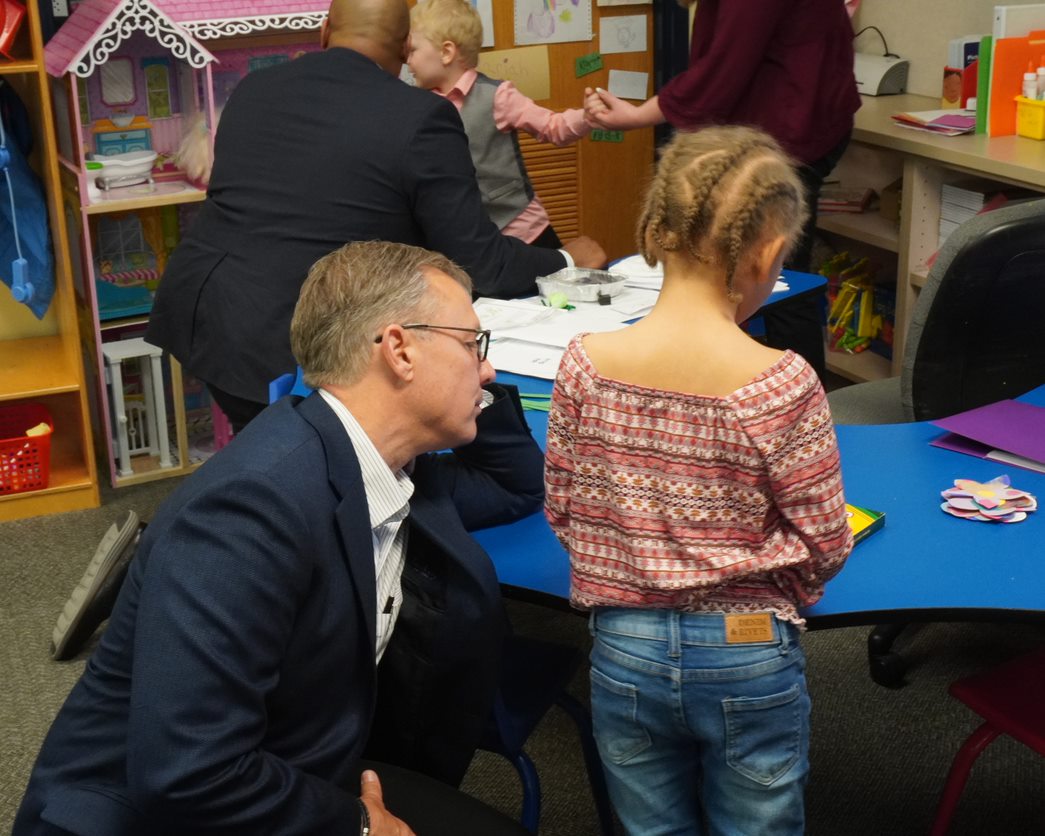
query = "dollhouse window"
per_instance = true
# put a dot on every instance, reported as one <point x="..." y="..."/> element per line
<point x="117" y="80"/>
<point x="120" y="240"/>
<point x="157" y="86"/>
<point x="257" y="62"/>
<point x="84" y="99"/>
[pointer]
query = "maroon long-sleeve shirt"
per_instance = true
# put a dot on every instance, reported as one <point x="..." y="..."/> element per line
<point x="785" y="66"/>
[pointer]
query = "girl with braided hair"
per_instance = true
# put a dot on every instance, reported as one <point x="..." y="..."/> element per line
<point x="692" y="474"/>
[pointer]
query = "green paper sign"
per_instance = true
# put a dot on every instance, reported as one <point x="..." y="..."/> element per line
<point x="607" y="136"/>
<point x="587" y="64"/>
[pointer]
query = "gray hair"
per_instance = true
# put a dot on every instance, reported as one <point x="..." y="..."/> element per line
<point x="350" y="295"/>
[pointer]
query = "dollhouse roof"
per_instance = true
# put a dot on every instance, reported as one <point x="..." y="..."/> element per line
<point x="208" y="19"/>
<point x="97" y="28"/>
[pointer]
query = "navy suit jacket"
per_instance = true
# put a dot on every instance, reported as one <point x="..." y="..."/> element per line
<point x="310" y="155"/>
<point x="234" y="688"/>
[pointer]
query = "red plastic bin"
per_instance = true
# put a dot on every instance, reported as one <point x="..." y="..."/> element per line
<point x="25" y="460"/>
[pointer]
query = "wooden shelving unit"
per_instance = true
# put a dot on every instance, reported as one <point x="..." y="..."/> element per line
<point x="42" y="361"/>
<point x="866" y="227"/>
<point x="881" y="152"/>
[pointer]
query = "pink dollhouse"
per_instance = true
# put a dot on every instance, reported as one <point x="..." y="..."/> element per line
<point x="137" y="85"/>
<point x="149" y="64"/>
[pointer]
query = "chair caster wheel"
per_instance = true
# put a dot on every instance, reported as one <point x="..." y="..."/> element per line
<point x="888" y="670"/>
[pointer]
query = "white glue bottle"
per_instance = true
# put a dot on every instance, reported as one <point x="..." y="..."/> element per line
<point x="1041" y="78"/>
<point x="1030" y="83"/>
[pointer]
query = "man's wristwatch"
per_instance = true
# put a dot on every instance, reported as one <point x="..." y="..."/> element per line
<point x="364" y="819"/>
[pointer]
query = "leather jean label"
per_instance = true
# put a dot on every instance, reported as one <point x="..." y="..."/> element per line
<point x="746" y="629"/>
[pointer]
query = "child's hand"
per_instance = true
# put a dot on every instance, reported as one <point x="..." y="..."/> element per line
<point x="593" y="107"/>
<point x="604" y="110"/>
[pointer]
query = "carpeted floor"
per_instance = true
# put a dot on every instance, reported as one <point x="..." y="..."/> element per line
<point x="879" y="757"/>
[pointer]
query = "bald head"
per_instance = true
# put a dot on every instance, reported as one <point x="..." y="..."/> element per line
<point x="376" y="28"/>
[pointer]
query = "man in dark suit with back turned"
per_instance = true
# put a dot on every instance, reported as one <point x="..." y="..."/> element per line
<point x="235" y="687"/>
<point x="328" y="148"/>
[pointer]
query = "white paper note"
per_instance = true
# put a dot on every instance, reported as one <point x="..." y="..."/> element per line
<point x="485" y="9"/>
<point x="503" y="314"/>
<point x="634" y="302"/>
<point x="638" y="273"/>
<point x="628" y="85"/>
<point x="526" y="358"/>
<point x="622" y="34"/>
<point x="562" y="326"/>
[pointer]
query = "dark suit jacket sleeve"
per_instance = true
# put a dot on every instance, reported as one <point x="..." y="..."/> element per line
<point x="448" y="207"/>
<point x="499" y="477"/>
<point x="218" y="602"/>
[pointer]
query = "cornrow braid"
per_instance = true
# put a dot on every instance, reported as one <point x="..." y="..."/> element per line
<point x="714" y="192"/>
<point x="653" y="216"/>
<point x="743" y="226"/>
<point x="704" y="176"/>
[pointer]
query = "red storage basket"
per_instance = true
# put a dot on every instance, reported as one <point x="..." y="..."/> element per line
<point x="25" y="460"/>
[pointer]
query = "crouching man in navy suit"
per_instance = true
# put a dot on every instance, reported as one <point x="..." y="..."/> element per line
<point x="236" y="686"/>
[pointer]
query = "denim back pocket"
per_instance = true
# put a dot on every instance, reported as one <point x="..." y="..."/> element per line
<point x="615" y="707"/>
<point x="766" y="736"/>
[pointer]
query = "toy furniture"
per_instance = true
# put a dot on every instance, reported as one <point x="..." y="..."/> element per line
<point x="222" y="427"/>
<point x="968" y="344"/>
<point x="131" y="79"/>
<point x="111" y="138"/>
<point x="1011" y="700"/>
<point x="143" y="430"/>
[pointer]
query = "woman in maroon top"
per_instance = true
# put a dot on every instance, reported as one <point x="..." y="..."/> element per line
<point x="785" y="66"/>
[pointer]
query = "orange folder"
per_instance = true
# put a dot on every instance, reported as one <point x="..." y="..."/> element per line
<point x="1009" y="62"/>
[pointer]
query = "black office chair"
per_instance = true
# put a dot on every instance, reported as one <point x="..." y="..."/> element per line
<point x="975" y="337"/>
<point x="534" y="677"/>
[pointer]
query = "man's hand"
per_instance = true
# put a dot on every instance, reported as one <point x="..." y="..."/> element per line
<point x="382" y="822"/>
<point x="586" y="252"/>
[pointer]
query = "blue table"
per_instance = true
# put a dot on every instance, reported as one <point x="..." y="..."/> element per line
<point x="799" y="285"/>
<point x="923" y="566"/>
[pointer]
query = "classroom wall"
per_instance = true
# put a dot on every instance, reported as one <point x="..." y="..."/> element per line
<point x="920" y="30"/>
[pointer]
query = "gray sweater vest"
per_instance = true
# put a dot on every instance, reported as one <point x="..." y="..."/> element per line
<point x="499" y="165"/>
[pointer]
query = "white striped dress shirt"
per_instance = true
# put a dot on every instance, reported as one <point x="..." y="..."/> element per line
<point x="388" y="501"/>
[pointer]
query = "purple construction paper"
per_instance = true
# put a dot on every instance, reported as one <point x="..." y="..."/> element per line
<point x="961" y="444"/>
<point x="955" y="120"/>
<point x="1012" y="426"/>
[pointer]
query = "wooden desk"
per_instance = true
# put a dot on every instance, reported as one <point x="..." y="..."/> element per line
<point x="881" y="152"/>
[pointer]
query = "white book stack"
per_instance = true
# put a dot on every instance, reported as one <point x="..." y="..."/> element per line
<point x="967" y="198"/>
<point x="961" y="201"/>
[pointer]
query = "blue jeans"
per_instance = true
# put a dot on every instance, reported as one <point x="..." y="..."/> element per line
<point x="696" y="735"/>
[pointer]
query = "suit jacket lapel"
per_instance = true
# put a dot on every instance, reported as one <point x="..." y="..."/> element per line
<point x="351" y="513"/>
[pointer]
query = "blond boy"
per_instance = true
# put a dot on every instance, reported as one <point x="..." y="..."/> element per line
<point x="445" y="37"/>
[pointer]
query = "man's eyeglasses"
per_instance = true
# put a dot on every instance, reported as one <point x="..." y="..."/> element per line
<point x="482" y="336"/>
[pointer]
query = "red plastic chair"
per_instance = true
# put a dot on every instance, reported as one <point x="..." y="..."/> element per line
<point x="1011" y="699"/>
